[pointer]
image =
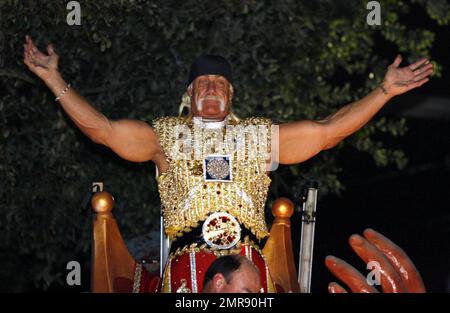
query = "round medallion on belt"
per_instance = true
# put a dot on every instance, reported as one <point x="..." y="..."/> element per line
<point x="221" y="230"/>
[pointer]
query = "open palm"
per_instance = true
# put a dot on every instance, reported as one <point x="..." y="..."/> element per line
<point x="399" y="80"/>
<point x="43" y="65"/>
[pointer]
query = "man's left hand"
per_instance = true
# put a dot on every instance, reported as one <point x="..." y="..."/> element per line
<point x="399" y="80"/>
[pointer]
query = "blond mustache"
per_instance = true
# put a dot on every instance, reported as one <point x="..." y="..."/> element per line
<point x="217" y="98"/>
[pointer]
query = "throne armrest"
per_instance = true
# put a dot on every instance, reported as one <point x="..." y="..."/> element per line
<point x="278" y="250"/>
<point x="112" y="265"/>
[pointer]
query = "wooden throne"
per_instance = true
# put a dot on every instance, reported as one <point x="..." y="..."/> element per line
<point x="113" y="266"/>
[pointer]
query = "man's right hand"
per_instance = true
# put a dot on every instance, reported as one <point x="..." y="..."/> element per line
<point x="44" y="66"/>
<point x="132" y="140"/>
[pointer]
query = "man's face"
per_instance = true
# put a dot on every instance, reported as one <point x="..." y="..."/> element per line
<point x="210" y="97"/>
<point x="245" y="280"/>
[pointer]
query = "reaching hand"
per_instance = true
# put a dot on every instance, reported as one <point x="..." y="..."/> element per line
<point x="399" y="80"/>
<point x="397" y="271"/>
<point x="39" y="63"/>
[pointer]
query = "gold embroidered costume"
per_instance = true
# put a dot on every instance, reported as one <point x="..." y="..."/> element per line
<point x="197" y="183"/>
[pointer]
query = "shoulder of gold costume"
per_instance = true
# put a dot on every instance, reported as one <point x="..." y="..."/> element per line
<point x="256" y="120"/>
<point x="168" y="121"/>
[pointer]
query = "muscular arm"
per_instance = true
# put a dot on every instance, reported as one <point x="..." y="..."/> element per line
<point x="301" y="140"/>
<point x="132" y="140"/>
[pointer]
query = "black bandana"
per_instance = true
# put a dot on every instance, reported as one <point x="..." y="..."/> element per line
<point x="210" y="65"/>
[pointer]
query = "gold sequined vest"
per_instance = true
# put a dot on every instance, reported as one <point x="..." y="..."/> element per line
<point x="187" y="198"/>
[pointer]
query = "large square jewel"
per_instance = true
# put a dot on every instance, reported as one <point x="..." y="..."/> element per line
<point x="217" y="168"/>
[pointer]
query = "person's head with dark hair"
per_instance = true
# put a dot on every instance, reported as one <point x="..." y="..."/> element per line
<point x="232" y="273"/>
<point x="209" y="87"/>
